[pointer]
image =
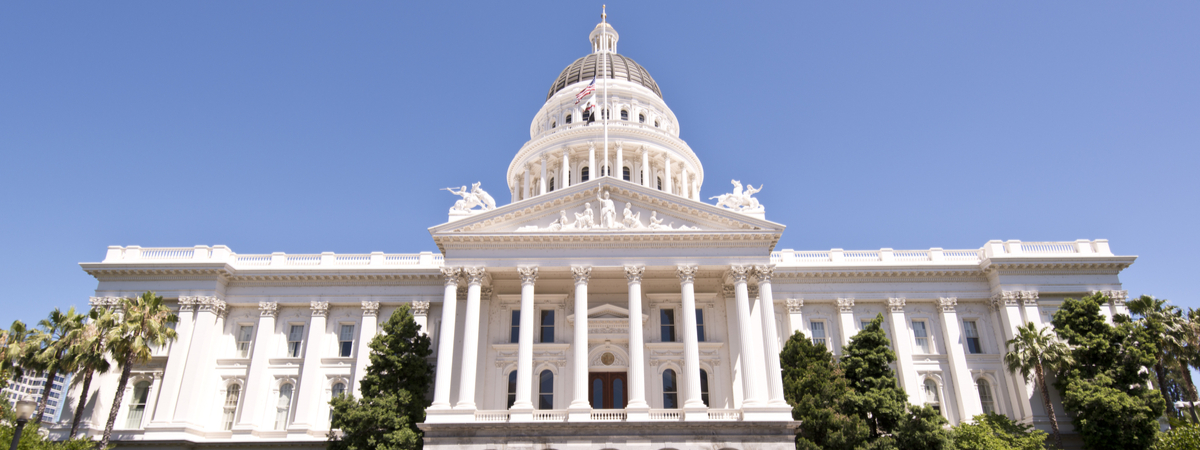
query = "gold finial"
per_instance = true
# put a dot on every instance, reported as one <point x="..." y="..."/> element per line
<point x="603" y="14"/>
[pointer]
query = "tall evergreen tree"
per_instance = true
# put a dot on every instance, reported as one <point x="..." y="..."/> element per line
<point x="877" y="397"/>
<point x="1107" y="390"/>
<point x="923" y="428"/>
<point x="393" y="391"/>
<point x="819" y="395"/>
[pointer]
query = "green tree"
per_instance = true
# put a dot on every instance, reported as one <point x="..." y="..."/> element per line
<point x="877" y="398"/>
<point x="818" y="393"/>
<point x="393" y="391"/>
<point x="14" y="355"/>
<point x="922" y="429"/>
<point x="1106" y="390"/>
<point x="997" y="432"/>
<point x="1165" y="326"/>
<point x="89" y="357"/>
<point x="31" y="436"/>
<point x="58" y="333"/>
<point x="1034" y="352"/>
<point x="142" y="324"/>
<point x="1179" y="438"/>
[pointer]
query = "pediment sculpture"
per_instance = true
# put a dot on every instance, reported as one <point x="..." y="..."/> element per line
<point x="739" y="200"/>
<point x="586" y="220"/>
<point x="471" y="199"/>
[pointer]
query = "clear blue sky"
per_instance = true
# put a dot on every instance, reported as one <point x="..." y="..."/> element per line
<point x="307" y="127"/>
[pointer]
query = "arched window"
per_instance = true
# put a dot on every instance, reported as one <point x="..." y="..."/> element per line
<point x="670" y="390"/>
<point x="137" y="405"/>
<point x="641" y="118"/>
<point x="583" y="174"/>
<point x="551" y="187"/>
<point x="568" y="121"/>
<point x="985" y="396"/>
<point x="546" y="390"/>
<point x="553" y="123"/>
<point x="598" y="393"/>
<point x="931" y="395"/>
<point x="625" y="173"/>
<point x="231" y="402"/>
<point x="624" y="115"/>
<point x="704" y="386"/>
<point x="618" y="394"/>
<point x="655" y="124"/>
<point x="512" y="389"/>
<point x="284" y="406"/>
<point x="338" y="390"/>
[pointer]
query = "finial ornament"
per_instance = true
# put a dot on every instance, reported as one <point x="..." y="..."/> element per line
<point x="604" y="13"/>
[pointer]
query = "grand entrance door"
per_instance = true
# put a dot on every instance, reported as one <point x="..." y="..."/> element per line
<point x="607" y="390"/>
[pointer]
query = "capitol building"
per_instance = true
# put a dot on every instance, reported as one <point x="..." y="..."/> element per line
<point x="607" y="305"/>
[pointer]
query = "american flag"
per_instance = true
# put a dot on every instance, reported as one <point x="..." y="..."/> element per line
<point x="586" y="91"/>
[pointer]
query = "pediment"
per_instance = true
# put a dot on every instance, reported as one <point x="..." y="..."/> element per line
<point x="635" y="210"/>
<point x="607" y="311"/>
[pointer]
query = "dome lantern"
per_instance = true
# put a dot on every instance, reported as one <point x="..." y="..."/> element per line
<point x="604" y="37"/>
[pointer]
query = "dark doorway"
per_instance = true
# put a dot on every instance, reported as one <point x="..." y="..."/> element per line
<point x="608" y="390"/>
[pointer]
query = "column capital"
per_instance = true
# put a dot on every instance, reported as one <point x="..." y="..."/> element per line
<point x="419" y="307"/>
<point x="1029" y="297"/>
<point x="528" y="275"/>
<point x="752" y="290"/>
<point x="1115" y="297"/>
<point x="846" y="304"/>
<point x="581" y="274"/>
<point x="370" y="308"/>
<point x="738" y="273"/>
<point x="474" y="275"/>
<point x="634" y="273"/>
<point x="319" y="309"/>
<point x="947" y="303"/>
<point x="268" y="309"/>
<point x="212" y="304"/>
<point x="764" y="272"/>
<point x="1005" y="298"/>
<point x="485" y="293"/>
<point x="686" y="273"/>
<point x="794" y="304"/>
<point x="896" y="303"/>
<point x="451" y="275"/>
<point x="109" y="302"/>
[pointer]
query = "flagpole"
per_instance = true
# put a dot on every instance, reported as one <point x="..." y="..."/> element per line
<point x="604" y="112"/>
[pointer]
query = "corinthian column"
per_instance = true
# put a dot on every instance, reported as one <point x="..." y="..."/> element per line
<point x="470" y="356"/>
<point x="524" y="400"/>
<point x="580" y="409"/>
<point x="751" y="359"/>
<point x="965" y="394"/>
<point x="565" y="173"/>
<point x="770" y="337"/>
<point x="445" y="352"/>
<point x="310" y="381"/>
<point x="637" y="408"/>
<point x="258" y="384"/>
<point x="370" y="322"/>
<point x="693" y="406"/>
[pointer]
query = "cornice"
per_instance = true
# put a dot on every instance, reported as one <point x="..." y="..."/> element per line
<point x="1069" y="265"/>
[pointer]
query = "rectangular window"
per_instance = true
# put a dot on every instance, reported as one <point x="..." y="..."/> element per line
<point x="547" y="326"/>
<point x="245" y="332"/>
<point x="972" y="334"/>
<point x="922" y="336"/>
<point x="862" y="324"/>
<point x="666" y="318"/>
<point x="514" y="336"/>
<point x="699" y="325"/>
<point x="346" y="341"/>
<point x="295" y="337"/>
<point x="817" y="328"/>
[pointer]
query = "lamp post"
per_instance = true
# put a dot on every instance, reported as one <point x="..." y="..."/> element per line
<point x="24" y="412"/>
<point x="1189" y="405"/>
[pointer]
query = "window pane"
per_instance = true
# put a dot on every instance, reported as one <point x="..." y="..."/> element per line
<point x="919" y="329"/>
<point x="512" y="388"/>
<point x="245" y="332"/>
<point x="618" y="387"/>
<point x="704" y="386"/>
<point x="339" y="389"/>
<point x="548" y="326"/>
<point x="818" y="329"/>
<point x="597" y="394"/>
<point x="546" y="394"/>
<point x="666" y="318"/>
<point x="231" y="395"/>
<point x="670" y="399"/>
<point x="699" y="325"/>
<point x="985" y="396"/>
<point x="515" y="335"/>
<point x="296" y="333"/>
<point x="347" y="333"/>
<point x="347" y="349"/>
<point x="969" y="329"/>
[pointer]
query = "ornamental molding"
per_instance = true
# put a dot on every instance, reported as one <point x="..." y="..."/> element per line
<point x="451" y="275"/>
<point x="1105" y="265"/>
<point x="947" y="303"/>
<point x="581" y="274"/>
<point x="461" y="293"/>
<point x="1029" y="297"/>
<point x="109" y="302"/>
<point x="566" y="135"/>
<point x="891" y="275"/>
<point x="485" y="293"/>
<point x="845" y="304"/>
<point x="896" y="304"/>
<point x="686" y="273"/>
<point x="1115" y="297"/>
<point x="319" y="309"/>
<point x="1006" y="298"/>
<point x="474" y="275"/>
<point x="764" y="272"/>
<point x="419" y="308"/>
<point x="528" y="275"/>
<point x="204" y="304"/>
<point x="633" y="274"/>
<point x="752" y="291"/>
<point x="794" y="305"/>
<point x="268" y="309"/>
<point x="728" y="291"/>
<point x="738" y="273"/>
<point x="370" y="308"/>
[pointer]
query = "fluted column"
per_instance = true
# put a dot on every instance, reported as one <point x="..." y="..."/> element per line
<point x="200" y="360"/>
<point x="177" y="357"/>
<point x="310" y="383"/>
<point x="470" y="356"/>
<point x="751" y="359"/>
<point x="1032" y="313"/>
<point x="420" y="313"/>
<point x="645" y="167"/>
<point x="258" y="384"/>
<point x="370" y="322"/>
<point x="445" y="352"/>
<point x="904" y="350"/>
<point x="1008" y="307"/>
<point x="770" y="336"/>
<point x="638" y="409"/>
<point x="966" y="396"/>
<point x="846" y="324"/>
<point x="693" y="405"/>
<point x="580" y="408"/>
<point x="524" y="401"/>
<point x="565" y="174"/>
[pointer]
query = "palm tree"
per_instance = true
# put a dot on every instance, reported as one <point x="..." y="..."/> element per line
<point x="1187" y="353"/>
<point x="14" y="357"/>
<point x="89" y="356"/>
<point x="143" y="324"/>
<point x="58" y="334"/>
<point x="1036" y="351"/>
<point x="1165" y="325"/>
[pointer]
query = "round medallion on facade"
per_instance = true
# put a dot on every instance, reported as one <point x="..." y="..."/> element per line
<point x="607" y="359"/>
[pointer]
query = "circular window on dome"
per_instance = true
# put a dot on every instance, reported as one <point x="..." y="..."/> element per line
<point x="607" y="359"/>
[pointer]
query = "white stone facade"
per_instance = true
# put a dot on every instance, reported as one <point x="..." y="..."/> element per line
<point x="673" y="309"/>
